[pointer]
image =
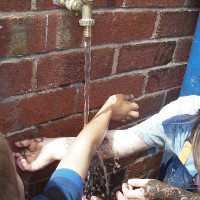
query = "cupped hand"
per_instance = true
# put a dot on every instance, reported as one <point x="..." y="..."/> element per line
<point x="133" y="190"/>
<point x="40" y="152"/>
<point x="123" y="108"/>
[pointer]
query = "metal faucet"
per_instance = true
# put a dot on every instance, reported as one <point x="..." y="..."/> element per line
<point x="80" y="6"/>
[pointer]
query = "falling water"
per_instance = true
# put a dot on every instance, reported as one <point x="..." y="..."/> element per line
<point x="91" y="185"/>
<point x="87" y="66"/>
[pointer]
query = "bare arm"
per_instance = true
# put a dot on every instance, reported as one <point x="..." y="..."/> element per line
<point x="87" y="142"/>
<point x="121" y="143"/>
<point x="40" y="153"/>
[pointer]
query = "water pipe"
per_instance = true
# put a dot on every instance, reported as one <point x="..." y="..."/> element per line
<point x="191" y="81"/>
<point x="80" y="6"/>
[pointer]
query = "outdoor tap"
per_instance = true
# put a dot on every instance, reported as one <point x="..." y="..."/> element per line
<point x="84" y="7"/>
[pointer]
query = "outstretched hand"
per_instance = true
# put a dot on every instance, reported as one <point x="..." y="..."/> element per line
<point x="134" y="189"/>
<point x="40" y="152"/>
<point x="124" y="109"/>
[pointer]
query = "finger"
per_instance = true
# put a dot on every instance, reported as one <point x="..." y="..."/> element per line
<point x="95" y="198"/>
<point x="23" y="143"/>
<point x="134" y="106"/>
<point x="133" y="194"/>
<point x="30" y="156"/>
<point x="39" y="163"/>
<point x="138" y="182"/>
<point x="120" y="196"/>
<point x="18" y="158"/>
<point x="134" y="114"/>
<point x="128" y="97"/>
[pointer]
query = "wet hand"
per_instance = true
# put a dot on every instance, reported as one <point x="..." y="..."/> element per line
<point x="38" y="153"/>
<point x="123" y="109"/>
<point x="134" y="189"/>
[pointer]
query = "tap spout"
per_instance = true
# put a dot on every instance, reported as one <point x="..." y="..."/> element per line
<point x="85" y="7"/>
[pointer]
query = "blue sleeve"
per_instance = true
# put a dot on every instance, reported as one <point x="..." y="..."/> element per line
<point x="64" y="182"/>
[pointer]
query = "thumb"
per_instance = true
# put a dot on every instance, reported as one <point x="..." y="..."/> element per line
<point x="138" y="182"/>
<point x="120" y="196"/>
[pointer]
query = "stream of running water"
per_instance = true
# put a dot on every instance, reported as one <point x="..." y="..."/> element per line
<point x="91" y="186"/>
<point x="87" y="67"/>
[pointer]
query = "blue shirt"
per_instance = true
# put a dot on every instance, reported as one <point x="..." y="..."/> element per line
<point x="169" y="129"/>
<point x="64" y="182"/>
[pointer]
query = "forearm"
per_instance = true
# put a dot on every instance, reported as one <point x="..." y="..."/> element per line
<point x="121" y="143"/>
<point x="117" y="143"/>
<point x="86" y="143"/>
<point x="155" y="189"/>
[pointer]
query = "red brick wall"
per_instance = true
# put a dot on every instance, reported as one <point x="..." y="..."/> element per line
<point x="139" y="47"/>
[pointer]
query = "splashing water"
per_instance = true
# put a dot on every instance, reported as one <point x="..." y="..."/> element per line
<point x="87" y="66"/>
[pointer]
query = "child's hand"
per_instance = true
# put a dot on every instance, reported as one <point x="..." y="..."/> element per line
<point x="134" y="189"/>
<point x="40" y="152"/>
<point x="123" y="109"/>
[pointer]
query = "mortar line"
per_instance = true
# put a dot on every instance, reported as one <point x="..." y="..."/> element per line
<point x="115" y="61"/>
<point x="35" y="78"/>
<point x="175" y="51"/>
<point x="20" y="131"/>
<point x="96" y="10"/>
<point x="71" y="116"/>
<point x="73" y="85"/>
<point x="164" y="9"/>
<point x="156" y="25"/>
<point x="186" y="2"/>
<point x="145" y="83"/>
<point x="33" y="5"/>
<point x="46" y="31"/>
<point x="108" y="45"/>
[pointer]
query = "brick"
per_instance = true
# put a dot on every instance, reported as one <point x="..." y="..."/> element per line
<point x="69" y="68"/>
<point x="183" y="50"/>
<point x="172" y="95"/>
<point x="173" y="24"/>
<point x="69" y="127"/>
<point x="165" y="78"/>
<point x="117" y="179"/>
<point x="120" y="26"/>
<point x="11" y="5"/>
<point x="5" y="34"/>
<point x="146" y="164"/>
<point x="64" y="36"/>
<point x="154" y="174"/>
<point x="40" y="32"/>
<point x="36" y="109"/>
<point x="140" y="56"/>
<point x="150" y="105"/>
<point x="36" y="189"/>
<point x="60" y="69"/>
<point x="110" y="164"/>
<point x="44" y="173"/>
<point x="15" y="78"/>
<point x="155" y="3"/>
<point x="28" y="34"/>
<point x="193" y="3"/>
<point x="27" y="134"/>
<point x="46" y="5"/>
<point x="108" y="3"/>
<point x="101" y="90"/>
<point x="102" y="61"/>
<point x="69" y="33"/>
